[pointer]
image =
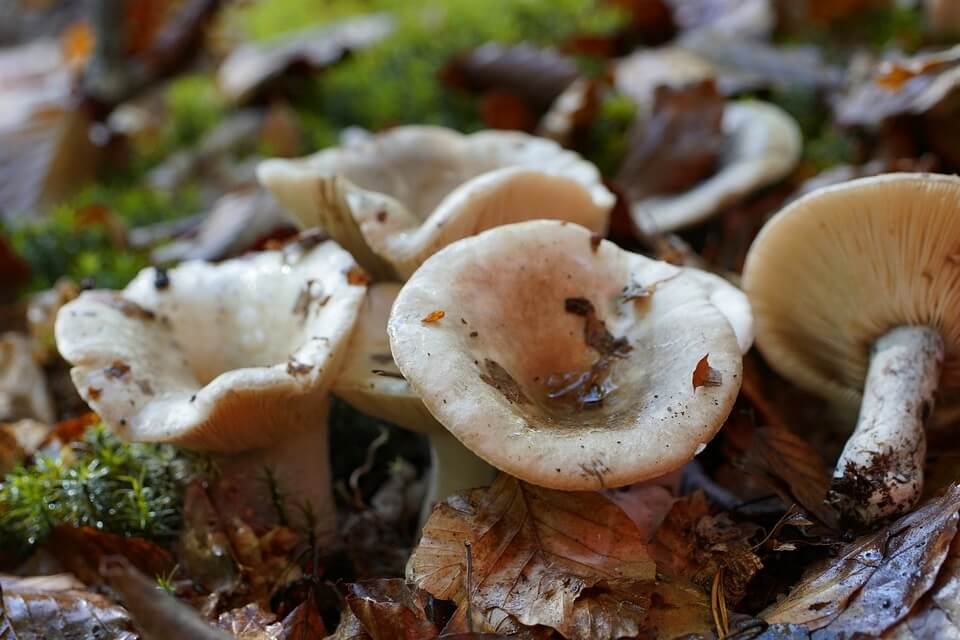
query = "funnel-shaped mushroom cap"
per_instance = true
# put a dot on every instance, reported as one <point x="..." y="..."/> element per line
<point x="369" y="379"/>
<point x="217" y="357"/>
<point x="763" y="144"/>
<point x="399" y="197"/>
<point x="843" y="265"/>
<point x="731" y="302"/>
<point x="563" y="361"/>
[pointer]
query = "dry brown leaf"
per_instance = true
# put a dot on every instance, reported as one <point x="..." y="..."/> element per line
<point x="678" y="145"/>
<point x="69" y="614"/>
<point x="304" y="622"/>
<point x="81" y="550"/>
<point x="535" y="552"/>
<point x="704" y="375"/>
<point x="349" y="628"/>
<point x="250" y="622"/>
<point x="875" y="580"/>
<point x="789" y="465"/>
<point x="388" y="609"/>
<point x="694" y="545"/>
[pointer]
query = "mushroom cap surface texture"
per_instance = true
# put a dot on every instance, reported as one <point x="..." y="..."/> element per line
<point x="412" y="190"/>
<point x="564" y="360"/>
<point x="763" y="145"/>
<point x="841" y="266"/>
<point x="369" y="379"/>
<point x="224" y="357"/>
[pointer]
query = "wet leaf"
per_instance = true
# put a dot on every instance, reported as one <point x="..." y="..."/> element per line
<point x="203" y="548"/>
<point x="937" y="614"/>
<point x="874" y="581"/>
<point x="534" y="553"/>
<point x="913" y="85"/>
<point x="388" y="609"/>
<point x="349" y="628"/>
<point x="536" y="77"/>
<point x="678" y="145"/>
<point x="39" y="611"/>
<point x="692" y="544"/>
<point x="249" y="68"/>
<point x="81" y="550"/>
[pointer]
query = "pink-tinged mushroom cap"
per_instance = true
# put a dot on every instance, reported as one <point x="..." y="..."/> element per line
<point x="564" y="360"/>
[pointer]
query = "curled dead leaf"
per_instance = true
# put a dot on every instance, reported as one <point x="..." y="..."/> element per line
<point x="536" y="555"/>
<point x="706" y="376"/>
<point x="389" y="609"/>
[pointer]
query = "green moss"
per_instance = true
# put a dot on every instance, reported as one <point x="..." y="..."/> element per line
<point x="101" y="482"/>
<point x="608" y="136"/>
<point x="59" y="245"/>
<point x="396" y="81"/>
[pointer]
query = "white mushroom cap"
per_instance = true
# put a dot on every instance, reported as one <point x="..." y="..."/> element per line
<point x="731" y="301"/>
<point x="840" y="267"/>
<point x="520" y="304"/>
<point x="763" y="145"/>
<point x="399" y="197"/>
<point x="225" y="358"/>
<point x="369" y="379"/>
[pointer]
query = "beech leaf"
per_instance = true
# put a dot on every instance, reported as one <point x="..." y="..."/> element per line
<point x="41" y="609"/>
<point x="536" y="555"/>
<point x="388" y="609"/>
<point x="875" y="580"/>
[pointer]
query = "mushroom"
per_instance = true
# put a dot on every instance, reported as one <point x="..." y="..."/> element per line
<point x="763" y="144"/>
<point x="563" y="360"/>
<point x="856" y="295"/>
<point x="399" y="197"/>
<point x="234" y="359"/>
<point x="371" y="383"/>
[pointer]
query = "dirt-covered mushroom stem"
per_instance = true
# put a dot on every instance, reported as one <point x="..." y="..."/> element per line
<point x="855" y="290"/>
<point x="880" y="472"/>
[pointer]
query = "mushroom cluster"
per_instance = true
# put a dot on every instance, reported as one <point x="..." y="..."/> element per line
<point x="521" y="342"/>
<point x="856" y="292"/>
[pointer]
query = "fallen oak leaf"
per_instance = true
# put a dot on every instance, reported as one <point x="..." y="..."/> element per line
<point x="878" y="578"/>
<point x="534" y="553"/>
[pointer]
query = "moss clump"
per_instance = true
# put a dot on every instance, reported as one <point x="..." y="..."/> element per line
<point x="98" y="481"/>
<point x="606" y="141"/>
<point x="66" y="244"/>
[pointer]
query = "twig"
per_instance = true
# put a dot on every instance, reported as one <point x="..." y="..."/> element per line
<point x="365" y="468"/>
<point x="469" y="549"/>
<point x="718" y="606"/>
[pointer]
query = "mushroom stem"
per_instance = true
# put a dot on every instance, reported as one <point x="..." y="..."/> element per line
<point x="880" y="472"/>
<point x="280" y="484"/>
<point x="453" y="468"/>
